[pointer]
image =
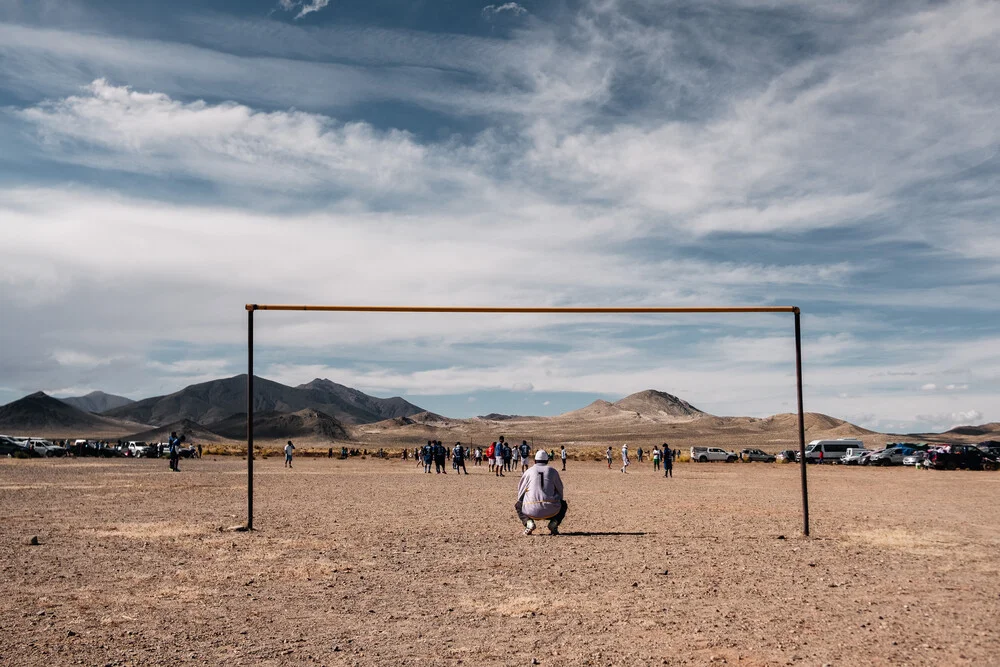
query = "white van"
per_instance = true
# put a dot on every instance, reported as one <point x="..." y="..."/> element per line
<point x="833" y="450"/>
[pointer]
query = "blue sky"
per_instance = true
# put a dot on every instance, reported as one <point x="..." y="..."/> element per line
<point x="161" y="164"/>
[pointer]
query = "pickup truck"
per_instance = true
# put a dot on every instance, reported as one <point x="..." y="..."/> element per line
<point x="706" y="454"/>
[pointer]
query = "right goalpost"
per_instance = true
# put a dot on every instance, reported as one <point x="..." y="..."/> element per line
<point x="252" y="307"/>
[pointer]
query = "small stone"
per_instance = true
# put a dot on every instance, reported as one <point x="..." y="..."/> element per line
<point x="635" y="584"/>
<point x="336" y="649"/>
<point x="781" y="537"/>
<point x="33" y="541"/>
<point x="70" y="633"/>
<point x="534" y="661"/>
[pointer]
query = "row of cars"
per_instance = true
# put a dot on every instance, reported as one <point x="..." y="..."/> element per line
<point x="851" y="451"/>
<point x="29" y="447"/>
<point x="20" y="447"/>
<point x="984" y="456"/>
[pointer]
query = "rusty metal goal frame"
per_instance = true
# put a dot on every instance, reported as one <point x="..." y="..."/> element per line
<point x="251" y="308"/>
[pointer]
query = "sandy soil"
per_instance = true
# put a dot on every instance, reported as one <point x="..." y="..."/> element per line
<point x="371" y="562"/>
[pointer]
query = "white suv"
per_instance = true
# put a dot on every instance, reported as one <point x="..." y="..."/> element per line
<point x="706" y="454"/>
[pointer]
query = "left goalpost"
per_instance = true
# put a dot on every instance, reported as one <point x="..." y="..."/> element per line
<point x="251" y="308"/>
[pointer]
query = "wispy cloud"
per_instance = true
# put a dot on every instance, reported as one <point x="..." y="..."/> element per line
<point x="511" y="8"/>
<point x="305" y="7"/>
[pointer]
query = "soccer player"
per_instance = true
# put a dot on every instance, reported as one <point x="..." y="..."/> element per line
<point x="625" y="461"/>
<point x="458" y="458"/>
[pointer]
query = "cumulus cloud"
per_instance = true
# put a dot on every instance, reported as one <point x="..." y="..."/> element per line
<point x="115" y="127"/>
<point x="930" y="386"/>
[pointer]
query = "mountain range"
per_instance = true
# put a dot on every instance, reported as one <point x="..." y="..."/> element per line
<point x="214" y="401"/>
<point x="321" y="410"/>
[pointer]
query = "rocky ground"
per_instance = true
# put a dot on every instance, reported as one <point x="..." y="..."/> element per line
<point x="371" y="562"/>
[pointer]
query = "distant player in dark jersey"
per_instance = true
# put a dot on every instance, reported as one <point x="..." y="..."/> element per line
<point x="458" y="458"/>
<point x="525" y="451"/>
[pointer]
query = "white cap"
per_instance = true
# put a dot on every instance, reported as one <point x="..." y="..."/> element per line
<point x="541" y="455"/>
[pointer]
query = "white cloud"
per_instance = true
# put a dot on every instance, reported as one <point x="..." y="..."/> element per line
<point x="115" y="127"/>
<point x="950" y="420"/>
<point x="471" y="399"/>
<point x="506" y="8"/>
<point x="546" y="402"/>
<point x="930" y="386"/>
<point x="305" y="8"/>
<point x="956" y="387"/>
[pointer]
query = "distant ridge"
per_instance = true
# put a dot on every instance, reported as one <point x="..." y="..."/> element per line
<point x="97" y="402"/>
<point x="192" y="432"/>
<point x="216" y="400"/>
<point x="302" y="423"/>
<point x="40" y="414"/>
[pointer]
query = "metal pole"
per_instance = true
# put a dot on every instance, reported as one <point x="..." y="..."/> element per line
<point x="802" y="424"/>
<point x="250" y="418"/>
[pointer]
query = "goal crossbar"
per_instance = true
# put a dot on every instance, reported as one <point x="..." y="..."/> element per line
<point x="554" y="310"/>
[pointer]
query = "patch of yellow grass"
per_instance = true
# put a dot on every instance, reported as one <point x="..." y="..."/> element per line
<point x="931" y="543"/>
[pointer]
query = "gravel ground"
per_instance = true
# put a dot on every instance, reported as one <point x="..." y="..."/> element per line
<point x="371" y="562"/>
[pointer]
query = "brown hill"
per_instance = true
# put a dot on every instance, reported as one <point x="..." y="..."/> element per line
<point x="650" y="404"/>
<point x="599" y="409"/>
<point x="658" y="405"/>
<point x="40" y="414"/>
<point x="281" y="425"/>
<point x="815" y="423"/>
<point x="97" y="402"/>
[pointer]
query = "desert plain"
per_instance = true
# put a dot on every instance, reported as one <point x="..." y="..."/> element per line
<point x="372" y="562"/>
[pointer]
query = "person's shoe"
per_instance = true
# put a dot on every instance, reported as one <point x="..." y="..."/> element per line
<point x="529" y="527"/>
<point x="553" y="528"/>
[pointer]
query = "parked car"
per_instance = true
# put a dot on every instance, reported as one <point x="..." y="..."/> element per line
<point x="750" y="455"/>
<point x="8" y="446"/>
<point x="890" y="456"/>
<point x="916" y="457"/>
<point x="854" y="455"/>
<point x="706" y="454"/>
<point x="18" y="448"/>
<point x="137" y="449"/>
<point x="44" y="447"/>
<point x="786" y="456"/>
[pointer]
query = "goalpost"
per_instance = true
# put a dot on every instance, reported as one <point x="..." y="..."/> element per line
<point x="252" y="307"/>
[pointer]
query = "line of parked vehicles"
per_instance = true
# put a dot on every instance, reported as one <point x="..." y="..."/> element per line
<point x="851" y="451"/>
<point x="20" y="447"/>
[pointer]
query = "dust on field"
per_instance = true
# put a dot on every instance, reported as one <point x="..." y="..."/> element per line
<point x="372" y="562"/>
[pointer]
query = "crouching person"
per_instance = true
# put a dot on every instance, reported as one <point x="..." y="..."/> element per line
<point x="540" y="496"/>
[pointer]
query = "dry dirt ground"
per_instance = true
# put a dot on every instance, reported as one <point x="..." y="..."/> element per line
<point x="371" y="562"/>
